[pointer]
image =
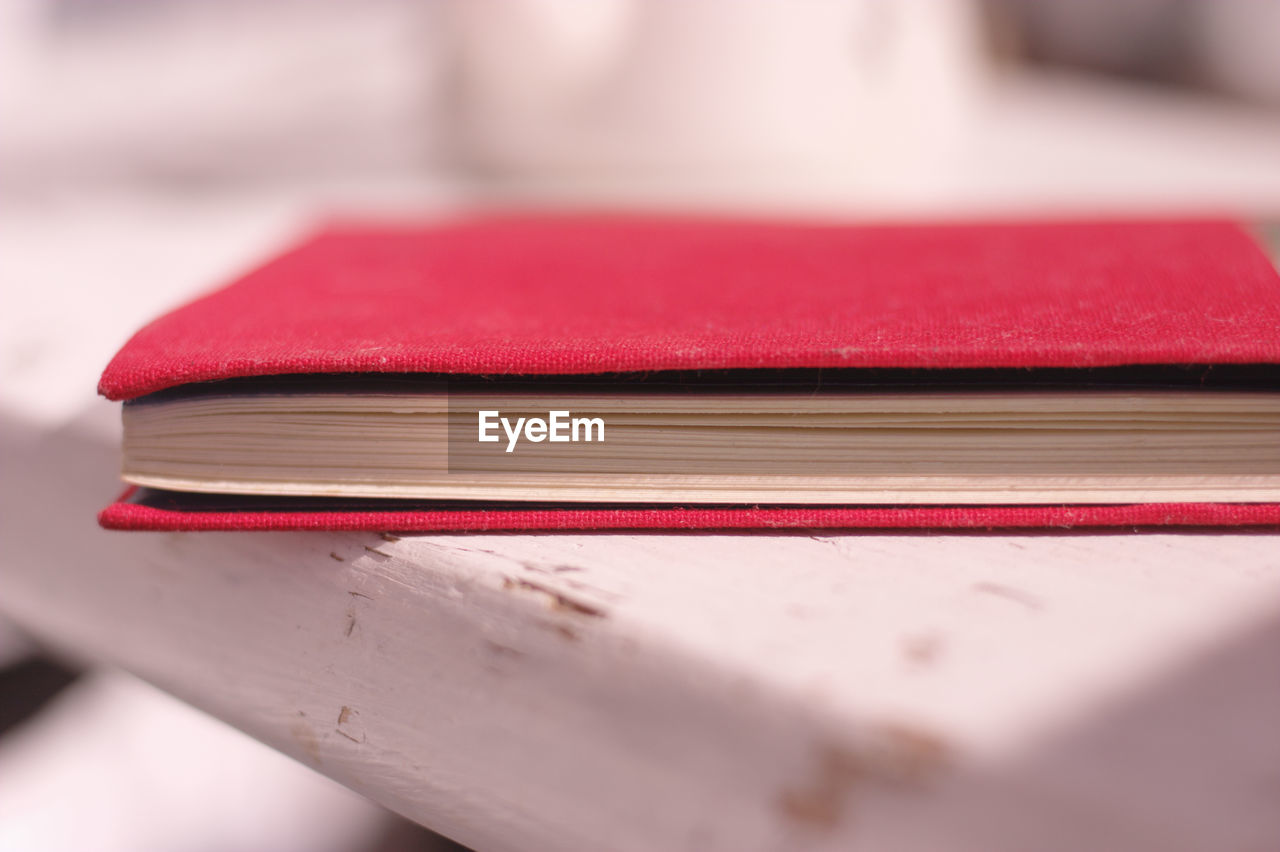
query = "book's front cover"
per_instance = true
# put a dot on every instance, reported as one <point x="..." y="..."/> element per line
<point x="566" y="296"/>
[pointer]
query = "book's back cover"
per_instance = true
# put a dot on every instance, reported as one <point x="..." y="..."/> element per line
<point x="138" y="509"/>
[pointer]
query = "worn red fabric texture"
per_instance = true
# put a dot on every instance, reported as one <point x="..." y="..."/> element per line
<point x="575" y="295"/>
<point x="547" y="296"/>
<point x="124" y="515"/>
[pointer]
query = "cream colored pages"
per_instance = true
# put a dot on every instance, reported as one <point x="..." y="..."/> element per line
<point x="907" y="447"/>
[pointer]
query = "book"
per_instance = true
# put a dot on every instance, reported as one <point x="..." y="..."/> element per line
<point x="596" y="372"/>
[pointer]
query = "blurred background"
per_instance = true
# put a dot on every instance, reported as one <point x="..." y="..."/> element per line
<point x="854" y="105"/>
<point x="149" y="148"/>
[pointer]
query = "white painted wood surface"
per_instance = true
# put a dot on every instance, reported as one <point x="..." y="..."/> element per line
<point x="714" y="691"/>
<point x="618" y="691"/>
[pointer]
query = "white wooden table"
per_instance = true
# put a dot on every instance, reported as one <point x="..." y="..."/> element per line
<point x="658" y="691"/>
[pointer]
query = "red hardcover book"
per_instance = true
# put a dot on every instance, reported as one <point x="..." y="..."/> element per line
<point x="617" y="302"/>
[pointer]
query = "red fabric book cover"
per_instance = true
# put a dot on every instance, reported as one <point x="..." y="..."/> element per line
<point x="581" y="296"/>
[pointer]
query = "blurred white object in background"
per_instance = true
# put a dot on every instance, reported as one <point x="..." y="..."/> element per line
<point x="748" y="91"/>
<point x="870" y="104"/>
